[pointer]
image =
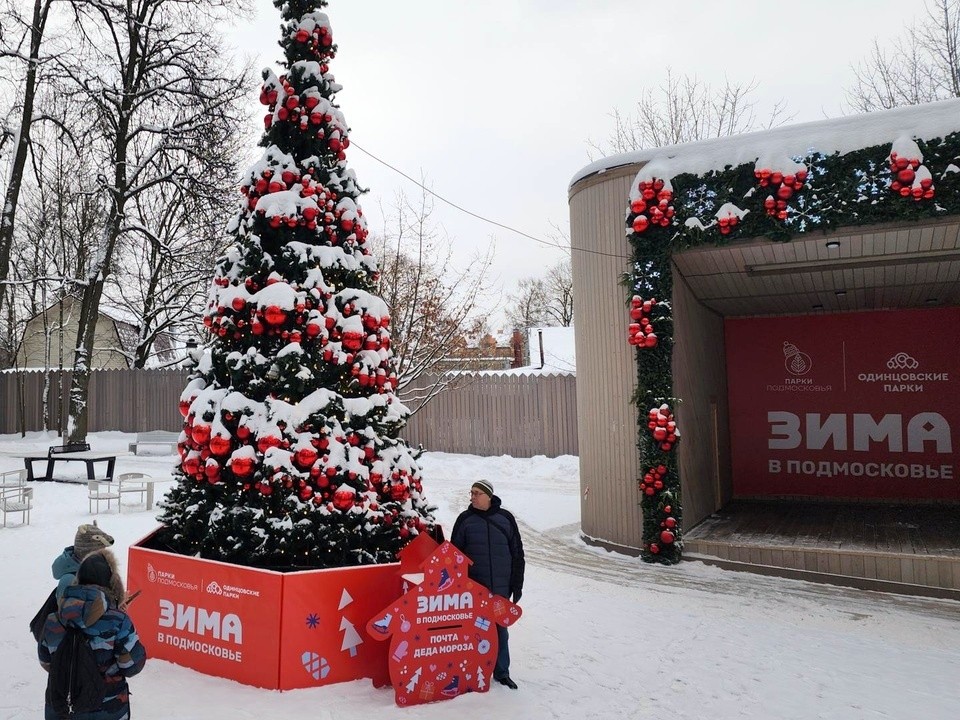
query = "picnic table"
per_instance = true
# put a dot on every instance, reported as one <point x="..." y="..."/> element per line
<point x="61" y="454"/>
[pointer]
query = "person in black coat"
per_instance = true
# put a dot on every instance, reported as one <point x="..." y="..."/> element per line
<point x="489" y="536"/>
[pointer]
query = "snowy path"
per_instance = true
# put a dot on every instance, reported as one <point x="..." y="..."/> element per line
<point x="561" y="549"/>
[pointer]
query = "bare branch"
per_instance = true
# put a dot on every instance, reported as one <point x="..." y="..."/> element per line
<point x="685" y="109"/>
<point x="921" y="66"/>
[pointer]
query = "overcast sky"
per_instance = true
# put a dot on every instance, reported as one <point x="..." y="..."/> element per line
<point x="495" y="101"/>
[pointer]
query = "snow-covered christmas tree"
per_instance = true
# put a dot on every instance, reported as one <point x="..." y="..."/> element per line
<point x="290" y="453"/>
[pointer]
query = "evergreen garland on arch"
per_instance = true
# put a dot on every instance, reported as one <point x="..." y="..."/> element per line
<point x="863" y="187"/>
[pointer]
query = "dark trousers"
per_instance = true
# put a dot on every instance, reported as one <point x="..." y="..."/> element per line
<point x="502" y="668"/>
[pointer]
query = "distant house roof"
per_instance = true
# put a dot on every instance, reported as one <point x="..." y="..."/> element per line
<point x="128" y="331"/>
<point x="559" y="354"/>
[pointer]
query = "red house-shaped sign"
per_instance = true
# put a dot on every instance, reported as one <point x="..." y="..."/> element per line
<point x="443" y="631"/>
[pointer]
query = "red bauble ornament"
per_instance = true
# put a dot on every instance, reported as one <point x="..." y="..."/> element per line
<point x="667" y="537"/>
<point x="219" y="445"/>
<point x="242" y="466"/>
<point x="906" y="176"/>
<point x="185" y="407"/>
<point x="200" y="434"/>
<point x="266" y="442"/>
<point x="275" y="315"/>
<point x="305" y="457"/>
<point x="670" y="522"/>
<point x="343" y="497"/>
<point x="191" y="466"/>
<point x="353" y="340"/>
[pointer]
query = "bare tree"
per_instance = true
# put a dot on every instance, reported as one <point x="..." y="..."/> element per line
<point x="434" y="305"/>
<point x="685" y="109"/>
<point x="921" y="66"/>
<point x="173" y="235"/>
<point x="543" y="301"/>
<point x="526" y="306"/>
<point x="33" y="33"/>
<point x="558" y="286"/>
<point x="154" y="79"/>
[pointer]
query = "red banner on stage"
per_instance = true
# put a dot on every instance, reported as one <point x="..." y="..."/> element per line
<point x="856" y="405"/>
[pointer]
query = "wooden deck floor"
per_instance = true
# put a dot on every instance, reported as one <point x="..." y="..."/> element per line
<point x="910" y="544"/>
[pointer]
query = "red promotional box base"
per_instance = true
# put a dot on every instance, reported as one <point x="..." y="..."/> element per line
<point x="264" y="628"/>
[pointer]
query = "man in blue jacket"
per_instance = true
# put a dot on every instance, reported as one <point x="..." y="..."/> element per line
<point x="489" y="536"/>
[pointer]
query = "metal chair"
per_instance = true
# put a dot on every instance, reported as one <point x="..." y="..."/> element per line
<point x="16" y="500"/>
<point x="128" y="483"/>
<point x="99" y="491"/>
<point x="13" y="478"/>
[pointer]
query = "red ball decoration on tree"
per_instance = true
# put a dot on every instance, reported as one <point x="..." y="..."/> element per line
<point x="220" y="445"/>
<point x="201" y="434"/>
<point x="343" y="497"/>
<point x="241" y="466"/>
<point x="275" y="315"/>
<point x="305" y="457"/>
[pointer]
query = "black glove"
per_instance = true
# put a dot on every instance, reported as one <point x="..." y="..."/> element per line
<point x="516" y="595"/>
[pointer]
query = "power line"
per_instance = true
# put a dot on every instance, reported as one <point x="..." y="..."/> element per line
<point x="481" y="217"/>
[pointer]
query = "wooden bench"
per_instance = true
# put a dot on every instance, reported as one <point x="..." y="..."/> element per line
<point x="162" y="438"/>
<point x="68" y="448"/>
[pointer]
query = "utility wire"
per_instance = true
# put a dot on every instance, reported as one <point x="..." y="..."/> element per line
<point x="481" y="217"/>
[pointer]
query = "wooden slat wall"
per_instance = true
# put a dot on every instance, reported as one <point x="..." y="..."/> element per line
<point x="521" y="415"/>
<point x="124" y="400"/>
<point x="700" y="380"/>
<point x="518" y="415"/>
<point x="606" y="373"/>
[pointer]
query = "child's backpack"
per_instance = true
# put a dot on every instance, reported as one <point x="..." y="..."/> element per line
<point x="75" y="684"/>
<point x="40" y="619"/>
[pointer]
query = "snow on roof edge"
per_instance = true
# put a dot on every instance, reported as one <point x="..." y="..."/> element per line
<point x="843" y="135"/>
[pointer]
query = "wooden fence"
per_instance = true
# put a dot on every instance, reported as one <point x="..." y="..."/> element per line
<point x="519" y="415"/>
<point x="125" y="400"/>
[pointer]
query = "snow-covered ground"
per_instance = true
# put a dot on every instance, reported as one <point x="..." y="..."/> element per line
<point x="602" y="636"/>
